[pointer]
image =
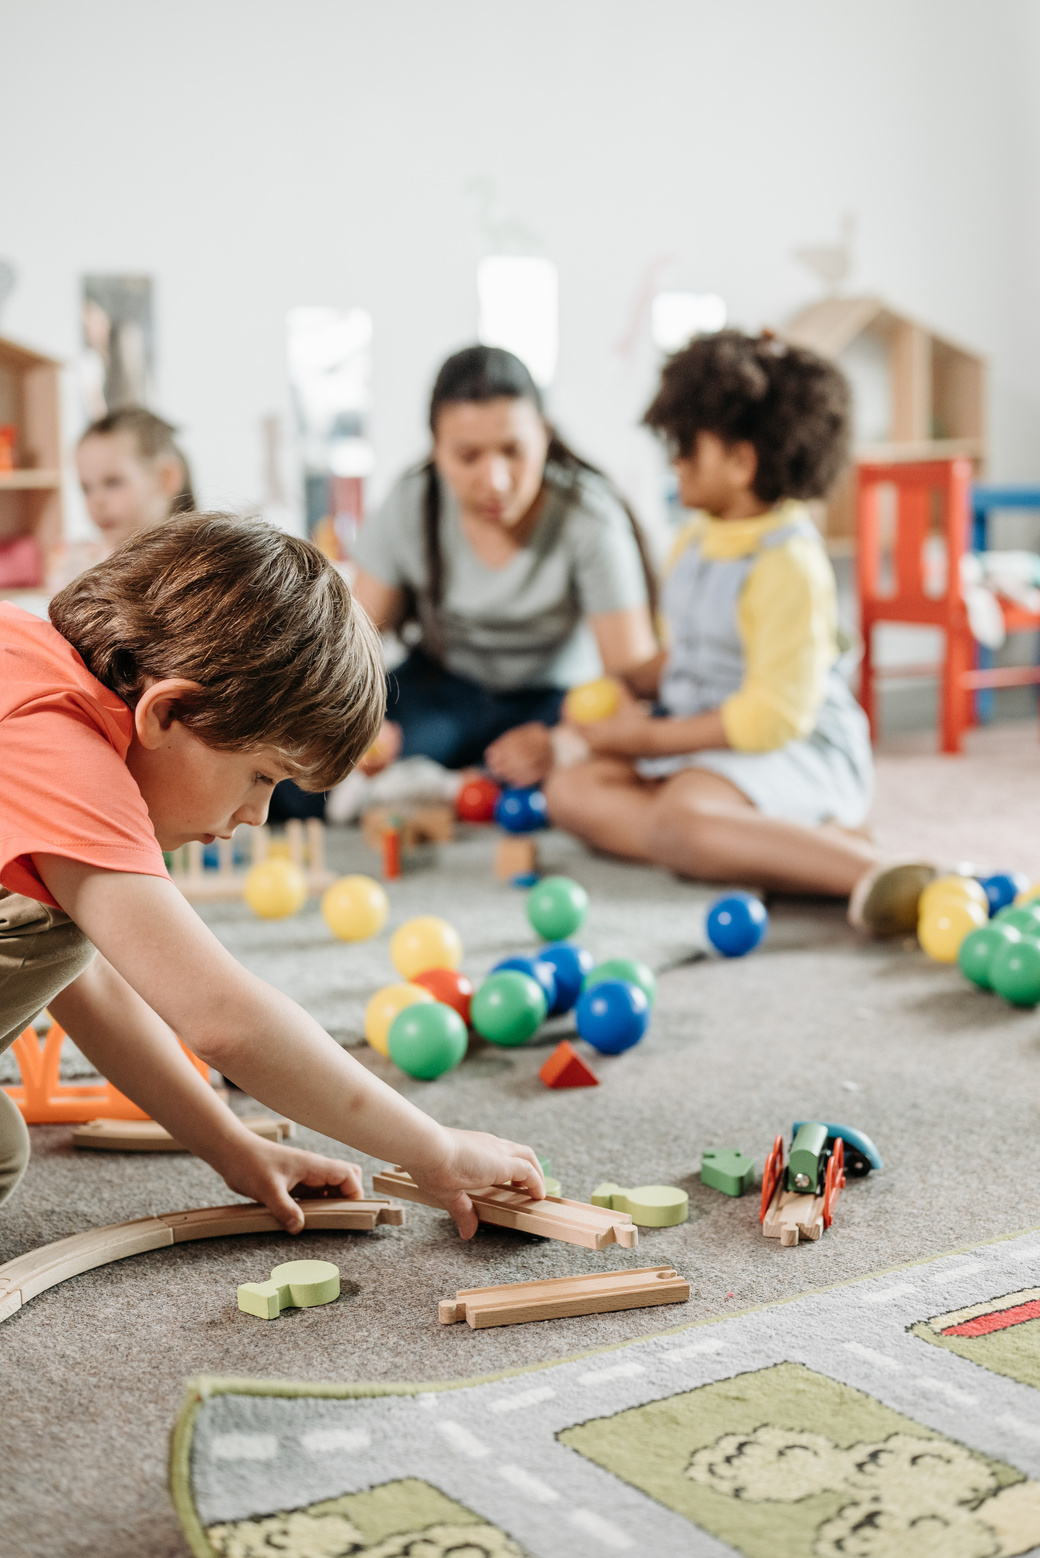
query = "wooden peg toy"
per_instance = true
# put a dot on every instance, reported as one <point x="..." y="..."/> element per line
<point x="599" y="1293"/>
<point x="728" y="1170"/>
<point x="515" y="856"/>
<point x="573" y="1222"/>
<point x="565" y="1068"/>
<point x="297" y="1284"/>
<point x="650" y="1206"/>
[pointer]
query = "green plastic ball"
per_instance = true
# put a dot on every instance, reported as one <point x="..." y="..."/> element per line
<point x="630" y="971"/>
<point x="979" y="948"/>
<point x="1026" y="918"/>
<point x="427" y="1039"/>
<point x="508" y="1007"/>
<point x="557" y="907"/>
<point x="1015" y="971"/>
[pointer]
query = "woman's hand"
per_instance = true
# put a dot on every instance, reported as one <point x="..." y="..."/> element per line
<point x="384" y="750"/>
<point x="629" y="733"/>
<point x="474" y="1161"/>
<point x="266" y="1172"/>
<point x="523" y="756"/>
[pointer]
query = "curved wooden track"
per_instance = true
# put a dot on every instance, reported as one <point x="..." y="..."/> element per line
<point x="27" y="1275"/>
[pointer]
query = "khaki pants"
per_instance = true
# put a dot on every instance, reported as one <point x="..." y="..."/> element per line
<point x="41" y="952"/>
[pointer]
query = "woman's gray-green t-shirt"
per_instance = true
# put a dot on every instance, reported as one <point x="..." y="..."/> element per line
<point x="521" y="625"/>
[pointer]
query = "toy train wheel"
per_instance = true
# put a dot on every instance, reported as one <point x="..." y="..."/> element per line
<point x="856" y="1165"/>
<point x="835" y="1182"/>
<point x="771" y="1176"/>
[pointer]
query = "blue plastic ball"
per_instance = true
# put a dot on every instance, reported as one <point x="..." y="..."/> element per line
<point x="612" y="1016"/>
<point x="1003" y="888"/>
<point x="539" y="969"/>
<point x="736" y="924"/>
<point x="571" y="964"/>
<point x="521" y="811"/>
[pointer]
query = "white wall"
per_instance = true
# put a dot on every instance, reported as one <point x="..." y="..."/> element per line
<point x="256" y="154"/>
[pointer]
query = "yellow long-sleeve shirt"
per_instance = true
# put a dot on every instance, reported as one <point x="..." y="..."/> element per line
<point x="786" y="621"/>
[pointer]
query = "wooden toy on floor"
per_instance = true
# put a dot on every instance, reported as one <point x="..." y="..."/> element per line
<point x="28" y="1275"/>
<point x="552" y="1185"/>
<point x="297" y="1284"/>
<point x="304" y="846"/>
<point x="796" y="1205"/>
<point x="599" y="1293"/>
<point x="565" y="1068"/>
<point x="573" y="1222"/>
<point x="649" y="1206"/>
<point x="515" y="857"/>
<point x="432" y="823"/>
<point x="150" y="1136"/>
<point x="727" y="1169"/>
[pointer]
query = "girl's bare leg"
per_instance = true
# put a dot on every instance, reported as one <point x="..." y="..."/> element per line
<point x="700" y="825"/>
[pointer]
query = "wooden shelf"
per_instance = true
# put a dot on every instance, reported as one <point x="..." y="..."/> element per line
<point x="29" y="480"/>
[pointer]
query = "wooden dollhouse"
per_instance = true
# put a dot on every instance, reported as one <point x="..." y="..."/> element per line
<point x="917" y="395"/>
<point x="30" y="467"/>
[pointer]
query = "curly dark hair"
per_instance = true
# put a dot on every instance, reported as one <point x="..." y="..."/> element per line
<point x="790" y="404"/>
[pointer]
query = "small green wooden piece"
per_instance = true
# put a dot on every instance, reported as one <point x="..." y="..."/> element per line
<point x="727" y="1169"/>
<point x="552" y="1186"/>
<point x="649" y="1206"/>
<point x="297" y="1284"/>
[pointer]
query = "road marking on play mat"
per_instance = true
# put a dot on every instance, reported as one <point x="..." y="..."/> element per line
<point x="462" y="1440"/>
<point x="1033" y="1253"/>
<point x="695" y="1349"/>
<point x="951" y="1276"/>
<point x="882" y="1359"/>
<point x="1018" y="1425"/>
<point x="619" y="1371"/>
<point x="323" y="1441"/>
<point x="962" y="1397"/>
<point x="526" y="1398"/>
<point x="893" y="1292"/>
<point x="534" y="1487"/>
<point x="244" y="1447"/>
<point x="607" y="1532"/>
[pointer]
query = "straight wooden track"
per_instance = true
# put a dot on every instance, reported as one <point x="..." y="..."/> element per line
<point x="573" y="1222"/>
<point x="597" y="1293"/>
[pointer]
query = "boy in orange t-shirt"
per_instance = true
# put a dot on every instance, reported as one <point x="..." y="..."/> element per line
<point x="181" y="679"/>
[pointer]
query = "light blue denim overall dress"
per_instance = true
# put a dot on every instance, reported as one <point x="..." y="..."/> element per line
<point x="826" y="776"/>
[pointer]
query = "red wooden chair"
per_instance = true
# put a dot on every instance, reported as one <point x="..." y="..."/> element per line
<point x="932" y="502"/>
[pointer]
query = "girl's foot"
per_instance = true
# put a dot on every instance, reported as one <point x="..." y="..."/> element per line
<point x="884" y="900"/>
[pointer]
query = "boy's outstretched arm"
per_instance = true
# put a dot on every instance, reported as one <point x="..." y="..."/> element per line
<point x="263" y="1041"/>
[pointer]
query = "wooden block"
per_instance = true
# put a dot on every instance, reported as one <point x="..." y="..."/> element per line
<point x="572" y="1222"/>
<point x="598" y="1293"/>
<point x="650" y="1206"/>
<point x="430" y="824"/>
<point x="515" y="856"/>
<point x="728" y="1170"/>
<point x="296" y="1284"/>
<point x="565" y="1068"/>
<point x="149" y="1135"/>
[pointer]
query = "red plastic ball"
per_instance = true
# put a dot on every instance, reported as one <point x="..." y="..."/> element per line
<point x="476" y="800"/>
<point x="449" y="987"/>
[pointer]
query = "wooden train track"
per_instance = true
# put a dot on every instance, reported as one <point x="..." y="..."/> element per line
<point x="28" y="1275"/>
<point x="595" y="1293"/>
<point x="574" y="1222"/>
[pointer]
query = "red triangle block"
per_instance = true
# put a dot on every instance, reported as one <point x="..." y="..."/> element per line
<point x="565" y="1068"/>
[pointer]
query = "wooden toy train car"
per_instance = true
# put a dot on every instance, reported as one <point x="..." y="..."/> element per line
<point x="798" y="1201"/>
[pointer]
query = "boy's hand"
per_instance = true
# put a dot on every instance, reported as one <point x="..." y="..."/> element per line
<point x="476" y="1160"/>
<point x="385" y="749"/>
<point x="629" y="733"/>
<point x="523" y="756"/>
<point x="268" y="1172"/>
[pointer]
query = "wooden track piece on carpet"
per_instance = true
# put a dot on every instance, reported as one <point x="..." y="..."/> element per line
<point x="598" y="1293"/>
<point x="150" y="1136"/>
<point x="573" y="1222"/>
<point x="28" y="1275"/>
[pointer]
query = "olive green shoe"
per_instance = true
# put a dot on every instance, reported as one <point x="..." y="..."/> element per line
<point x="884" y="901"/>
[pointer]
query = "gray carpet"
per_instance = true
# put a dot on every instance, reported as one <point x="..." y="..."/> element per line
<point x="814" y="1024"/>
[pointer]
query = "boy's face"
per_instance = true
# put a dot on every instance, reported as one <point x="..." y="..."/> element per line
<point x="717" y="477"/>
<point x="191" y="790"/>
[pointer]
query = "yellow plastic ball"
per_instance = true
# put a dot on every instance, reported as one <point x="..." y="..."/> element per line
<point x="384" y="1007"/>
<point x="425" y="943"/>
<point x="355" y="908"/>
<point x="952" y="889"/>
<point x="592" y="701"/>
<point x="944" y="925"/>
<point x="275" y="888"/>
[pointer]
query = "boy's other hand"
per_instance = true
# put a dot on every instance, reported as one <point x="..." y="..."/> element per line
<point x="523" y="756"/>
<point x="474" y="1161"/>
<point x="629" y="733"/>
<point x="268" y="1172"/>
<point x="385" y="749"/>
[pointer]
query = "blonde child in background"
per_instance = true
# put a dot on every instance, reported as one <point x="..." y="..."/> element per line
<point x="133" y="476"/>
<point x="758" y="768"/>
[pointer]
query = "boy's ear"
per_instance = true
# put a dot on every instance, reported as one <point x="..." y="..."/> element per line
<point x="158" y="708"/>
<point x="743" y="459"/>
<point x="170" y="475"/>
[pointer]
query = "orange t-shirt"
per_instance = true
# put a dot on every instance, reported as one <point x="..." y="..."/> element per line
<point x="65" y="788"/>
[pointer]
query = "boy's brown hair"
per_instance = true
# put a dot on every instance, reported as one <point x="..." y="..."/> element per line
<point x="261" y="620"/>
<point x="791" y="405"/>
